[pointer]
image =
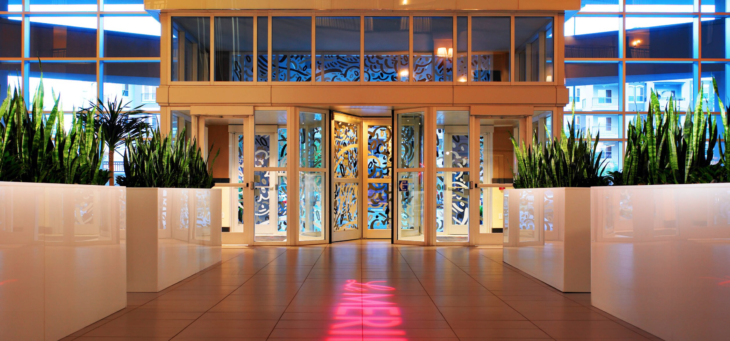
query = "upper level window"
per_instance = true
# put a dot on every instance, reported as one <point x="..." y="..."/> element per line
<point x="386" y="49"/>
<point x="291" y="49"/>
<point x="338" y="49"/>
<point x="534" y="49"/>
<point x="62" y="5"/>
<point x="190" y="49"/>
<point x="433" y="49"/>
<point x="490" y="46"/>
<point x="234" y="49"/>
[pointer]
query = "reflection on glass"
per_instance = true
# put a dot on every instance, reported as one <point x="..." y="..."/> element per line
<point x="128" y="36"/>
<point x="609" y="125"/>
<point x="660" y="6"/>
<point x="592" y="86"/>
<point x="490" y="49"/>
<point x="714" y="39"/>
<point x="202" y="215"/>
<point x="338" y="49"/>
<point x="409" y="220"/>
<point x="11" y="6"/>
<point x="462" y="47"/>
<point x="386" y="49"/>
<point x="452" y="206"/>
<point x="234" y="49"/>
<point x="270" y="177"/>
<point x="592" y="37"/>
<point x="12" y="36"/>
<point x="612" y="153"/>
<point x="491" y="205"/>
<point x="529" y="227"/>
<point x="600" y="6"/>
<point x="380" y="153"/>
<point x="311" y="209"/>
<point x="505" y="209"/>
<point x="62" y="5"/>
<point x="311" y="130"/>
<point x="710" y="6"/>
<point x="123" y="5"/>
<point x="262" y="43"/>
<point x="673" y="80"/>
<point x="62" y="37"/>
<point x="534" y="49"/>
<point x="291" y="46"/>
<point x="496" y="149"/>
<point x="433" y="49"/>
<point x="74" y="82"/>
<point x="452" y="139"/>
<point x="410" y="140"/>
<point x="190" y="49"/>
<point x="718" y="71"/>
<point x="9" y="78"/>
<point x="659" y="37"/>
<point x="133" y="83"/>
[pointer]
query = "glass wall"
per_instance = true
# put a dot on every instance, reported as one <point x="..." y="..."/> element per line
<point x="338" y="49"/>
<point x="89" y="50"/>
<point x="490" y="46"/>
<point x="386" y="49"/>
<point x="534" y="49"/>
<point x="291" y="49"/>
<point x="433" y="49"/>
<point x="190" y="49"/>
<point x="234" y="49"/>
<point x="671" y="47"/>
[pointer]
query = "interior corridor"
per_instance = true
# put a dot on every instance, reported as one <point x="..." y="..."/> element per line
<point x="320" y="293"/>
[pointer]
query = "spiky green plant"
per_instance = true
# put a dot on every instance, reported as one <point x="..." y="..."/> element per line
<point x="156" y="161"/>
<point x="38" y="149"/>
<point x="568" y="162"/>
<point x="664" y="151"/>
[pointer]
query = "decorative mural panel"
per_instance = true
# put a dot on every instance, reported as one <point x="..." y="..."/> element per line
<point x="378" y="206"/>
<point x="282" y="150"/>
<point x="483" y="69"/>
<point x="282" y="200"/>
<point x="380" y="154"/>
<point x="440" y="193"/>
<point x="262" y="150"/>
<point x="459" y="151"/>
<point x="460" y="198"/>
<point x="428" y="68"/>
<point x="411" y="207"/>
<point x="291" y="68"/>
<point x="407" y="151"/>
<point x="241" y="68"/>
<point x="263" y="68"/>
<point x="262" y="199"/>
<point x="346" y="153"/>
<point x="311" y="190"/>
<point x="239" y="204"/>
<point x="385" y="68"/>
<point x="345" y="206"/>
<point x="462" y="68"/>
<point x="338" y="68"/>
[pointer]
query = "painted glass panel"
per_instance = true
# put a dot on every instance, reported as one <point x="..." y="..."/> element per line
<point x="345" y="206"/>
<point x="378" y="206"/>
<point x="346" y="150"/>
<point x="380" y="156"/>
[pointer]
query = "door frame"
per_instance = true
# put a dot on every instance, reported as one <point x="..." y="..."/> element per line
<point x="385" y="233"/>
<point x="429" y="176"/>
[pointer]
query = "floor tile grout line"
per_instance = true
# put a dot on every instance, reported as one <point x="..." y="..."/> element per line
<point x="490" y="291"/>
<point x="161" y="293"/>
<point x="427" y="294"/>
<point x="562" y="294"/>
<point x="229" y="294"/>
<point x="298" y="289"/>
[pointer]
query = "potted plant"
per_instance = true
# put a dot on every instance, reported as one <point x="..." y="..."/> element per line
<point x="174" y="215"/>
<point x="56" y="218"/>
<point x="547" y="233"/>
<point x="658" y="233"/>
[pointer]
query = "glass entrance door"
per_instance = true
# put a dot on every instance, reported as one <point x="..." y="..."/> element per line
<point x="346" y="184"/>
<point x="313" y="167"/>
<point x="453" y="180"/>
<point x="378" y="142"/>
<point x="496" y="165"/>
<point x="409" y="177"/>
<point x="270" y="202"/>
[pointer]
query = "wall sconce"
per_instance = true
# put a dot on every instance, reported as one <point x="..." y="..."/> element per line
<point x="636" y="43"/>
<point x="444" y="53"/>
<point x="549" y="78"/>
<point x="403" y="74"/>
<point x="462" y="79"/>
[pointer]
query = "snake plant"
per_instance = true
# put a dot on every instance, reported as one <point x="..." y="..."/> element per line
<point x="664" y="151"/>
<point x="170" y="162"/>
<point x="568" y="162"/>
<point x="34" y="148"/>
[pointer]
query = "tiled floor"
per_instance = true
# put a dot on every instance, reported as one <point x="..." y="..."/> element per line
<point x="330" y="293"/>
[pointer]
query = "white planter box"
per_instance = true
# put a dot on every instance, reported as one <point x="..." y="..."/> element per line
<point x="172" y="233"/>
<point x="62" y="265"/>
<point x="661" y="258"/>
<point x="547" y="235"/>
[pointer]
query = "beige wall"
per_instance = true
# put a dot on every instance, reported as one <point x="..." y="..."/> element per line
<point x="528" y="5"/>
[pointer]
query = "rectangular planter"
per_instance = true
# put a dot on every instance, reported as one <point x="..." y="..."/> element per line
<point x="62" y="263"/>
<point x="172" y="234"/>
<point x="661" y="258"/>
<point x="547" y="235"/>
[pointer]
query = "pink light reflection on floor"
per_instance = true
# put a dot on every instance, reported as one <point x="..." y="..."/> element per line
<point x="366" y="305"/>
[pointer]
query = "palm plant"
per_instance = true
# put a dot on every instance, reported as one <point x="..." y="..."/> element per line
<point x="569" y="162"/>
<point x="118" y="123"/>
<point x="171" y="162"/>
<point x="34" y="148"/>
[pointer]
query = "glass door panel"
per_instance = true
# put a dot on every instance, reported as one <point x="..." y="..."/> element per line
<point x="496" y="164"/>
<point x="312" y="176"/>
<point x="452" y="180"/>
<point x="346" y="218"/>
<point x="378" y="185"/>
<point x="270" y="176"/>
<point x="409" y="176"/>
